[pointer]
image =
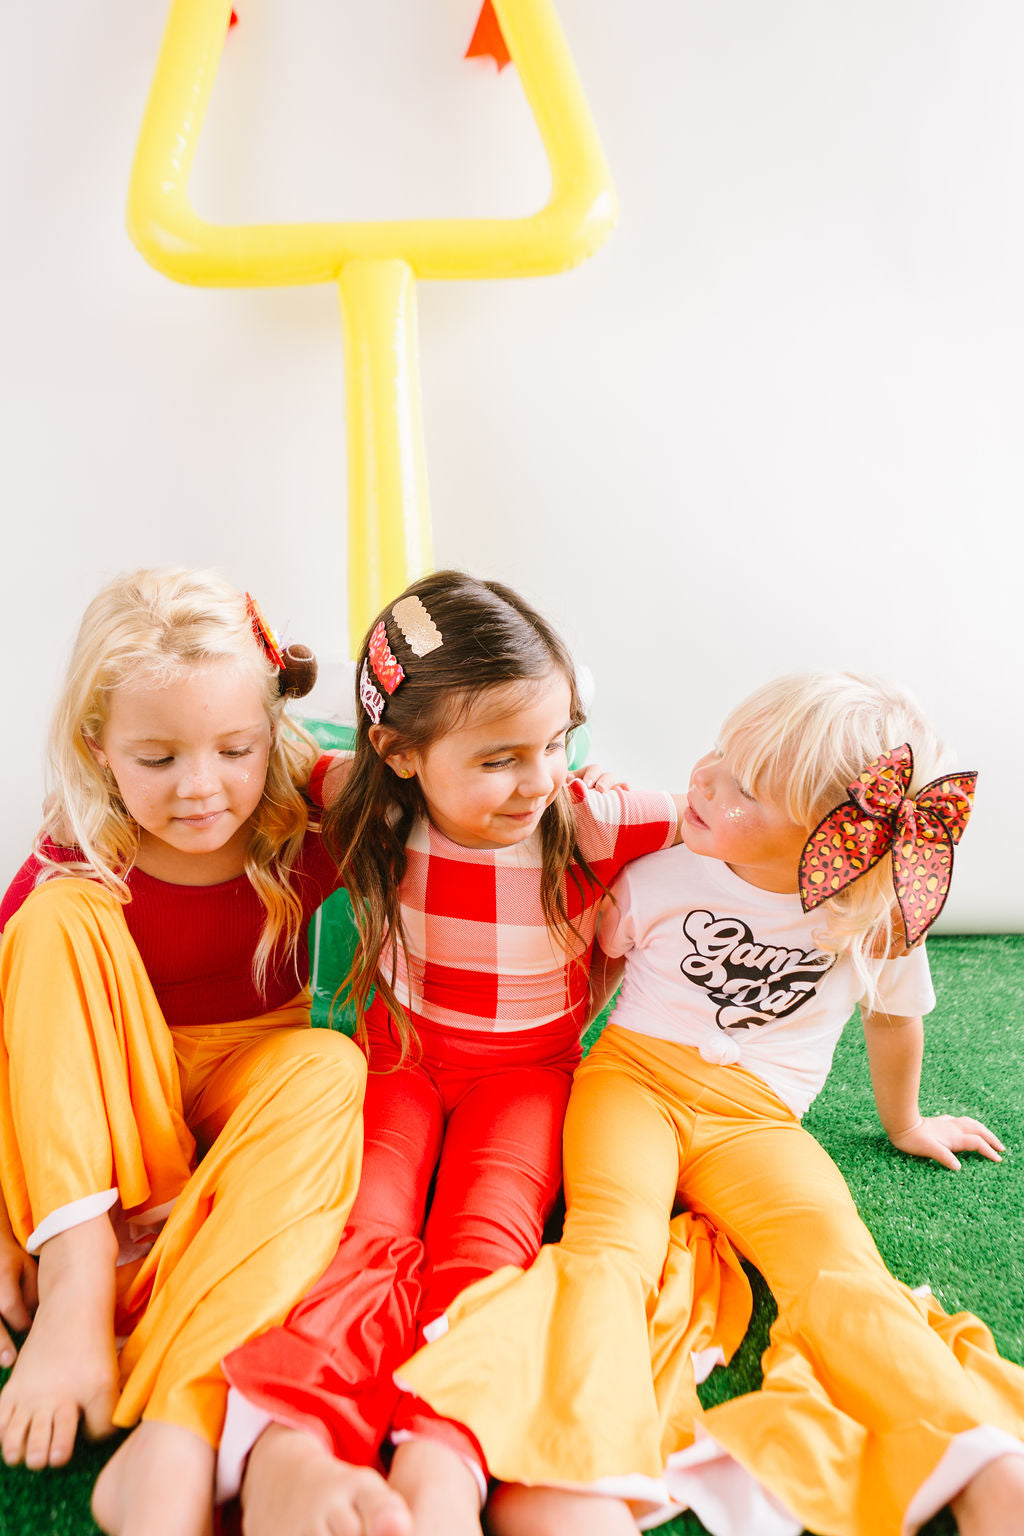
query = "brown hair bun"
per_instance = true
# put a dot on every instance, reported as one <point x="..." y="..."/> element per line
<point x="299" y="671"/>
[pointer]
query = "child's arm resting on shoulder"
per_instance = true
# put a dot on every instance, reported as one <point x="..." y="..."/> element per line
<point x="328" y="775"/>
<point x="596" y="778"/>
<point x="18" y="1293"/>
<point x="895" y="1048"/>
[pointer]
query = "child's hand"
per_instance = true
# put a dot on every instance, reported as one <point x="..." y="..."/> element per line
<point x="18" y="1294"/>
<point x="940" y="1136"/>
<point x="595" y="778"/>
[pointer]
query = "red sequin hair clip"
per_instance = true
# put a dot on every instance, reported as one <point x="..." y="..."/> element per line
<point x="296" y="664"/>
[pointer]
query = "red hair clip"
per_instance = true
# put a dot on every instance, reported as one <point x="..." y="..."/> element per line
<point x="383" y="660"/>
<point x="263" y="632"/>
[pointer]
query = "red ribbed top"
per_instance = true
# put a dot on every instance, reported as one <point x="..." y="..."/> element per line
<point x="197" y="941"/>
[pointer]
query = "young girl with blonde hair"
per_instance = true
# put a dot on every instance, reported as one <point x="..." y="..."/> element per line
<point x="745" y="951"/>
<point x="476" y="867"/>
<point x="154" y="1010"/>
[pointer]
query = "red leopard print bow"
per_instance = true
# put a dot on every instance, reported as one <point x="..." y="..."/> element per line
<point x="921" y="832"/>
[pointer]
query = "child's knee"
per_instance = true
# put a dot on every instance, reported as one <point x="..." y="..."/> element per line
<point x="63" y="907"/>
<point x="337" y="1054"/>
<point x="328" y="1062"/>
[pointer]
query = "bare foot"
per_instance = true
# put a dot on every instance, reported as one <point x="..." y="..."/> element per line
<point x="438" y="1487"/>
<point x="293" y="1486"/>
<point x="514" y="1510"/>
<point x="19" y="1295"/>
<point x="158" y="1483"/>
<point x="992" y="1504"/>
<point x="68" y="1363"/>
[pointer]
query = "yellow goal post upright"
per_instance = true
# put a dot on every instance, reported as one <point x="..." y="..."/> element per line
<point x="375" y="264"/>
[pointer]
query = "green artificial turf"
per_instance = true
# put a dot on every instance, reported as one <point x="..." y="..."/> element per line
<point x="959" y="1233"/>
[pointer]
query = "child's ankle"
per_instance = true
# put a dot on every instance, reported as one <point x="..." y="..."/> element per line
<point x="83" y="1256"/>
<point x="444" y="1492"/>
<point x="992" y="1503"/>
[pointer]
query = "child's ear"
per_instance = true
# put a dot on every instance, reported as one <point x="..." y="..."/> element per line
<point x="401" y="762"/>
<point x="96" y="750"/>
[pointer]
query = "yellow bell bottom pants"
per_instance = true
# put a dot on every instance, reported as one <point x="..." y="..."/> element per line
<point x="98" y="1095"/>
<point x="865" y="1385"/>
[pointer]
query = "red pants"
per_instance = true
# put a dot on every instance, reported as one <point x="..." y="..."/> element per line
<point x="461" y="1167"/>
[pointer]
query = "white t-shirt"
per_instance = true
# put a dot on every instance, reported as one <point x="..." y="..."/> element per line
<point x="718" y="964"/>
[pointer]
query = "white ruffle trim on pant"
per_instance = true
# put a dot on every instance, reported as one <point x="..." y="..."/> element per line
<point x="966" y="1455"/>
<point x="243" y="1425"/>
<point x="705" y="1360"/>
<point x="704" y="1478"/>
<point x="725" y="1497"/>
<point x="71" y="1215"/>
<point x="729" y="1501"/>
<point x="135" y="1234"/>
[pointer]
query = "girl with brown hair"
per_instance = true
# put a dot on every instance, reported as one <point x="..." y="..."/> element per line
<point x="475" y="867"/>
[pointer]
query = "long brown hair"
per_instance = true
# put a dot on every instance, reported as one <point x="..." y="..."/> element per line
<point x="491" y="638"/>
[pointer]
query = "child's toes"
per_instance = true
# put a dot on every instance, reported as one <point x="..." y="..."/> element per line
<point x="62" y="1436"/>
<point x="15" y="1433"/>
<point x="383" y="1513"/>
<point x="38" y="1439"/>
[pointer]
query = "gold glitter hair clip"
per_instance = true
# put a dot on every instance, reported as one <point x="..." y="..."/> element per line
<point x="421" y="633"/>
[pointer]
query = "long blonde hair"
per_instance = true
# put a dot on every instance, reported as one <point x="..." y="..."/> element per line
<point x="802" y="740"/>
<point x="150" y="627"/>
<point x="491" y="638"/>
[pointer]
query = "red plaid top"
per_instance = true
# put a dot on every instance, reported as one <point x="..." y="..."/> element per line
<point x="481" y="953"/>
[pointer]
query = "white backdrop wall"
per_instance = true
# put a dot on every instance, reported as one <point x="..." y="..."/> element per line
<point x="775" y="422"/>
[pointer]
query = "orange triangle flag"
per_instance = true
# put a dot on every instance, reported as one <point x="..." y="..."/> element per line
<point x="487" y="41"/>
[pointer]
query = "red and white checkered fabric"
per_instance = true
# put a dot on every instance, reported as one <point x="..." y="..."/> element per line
<point x="480" y="951"/>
